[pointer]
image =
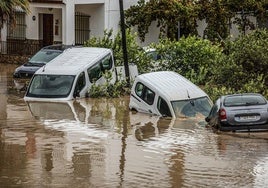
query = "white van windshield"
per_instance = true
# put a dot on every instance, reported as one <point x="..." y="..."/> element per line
<point x="50" y="86"/>
<point x="191" y="107"/>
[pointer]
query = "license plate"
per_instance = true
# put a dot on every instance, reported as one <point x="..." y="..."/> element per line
<point x="248" y="117"/>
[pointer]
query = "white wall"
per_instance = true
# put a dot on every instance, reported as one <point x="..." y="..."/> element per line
<point x="68" y="17"/>
<point x="234" y="28"/>
<point x="34" y="27"/>
<point x="96" y="13"/>
<point x="105" y="14"/>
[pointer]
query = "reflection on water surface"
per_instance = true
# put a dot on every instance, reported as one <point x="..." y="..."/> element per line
<point x="100" y="143"/>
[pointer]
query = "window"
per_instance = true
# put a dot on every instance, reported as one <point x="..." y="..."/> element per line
<point x="145" y="93"/>
<point x="82" y="28"/>
<point x="94" y="73"/>
<point x="163" y="108"/>
<point x="138" y="89"/>
<point x="19" y="31"/>
<point x="107" y="63"/>
<point x="81" y="82"/>
<point x="191" y="107"/>
<point x="244" y="100"/>
<point x="149" y="96"/>
<point x="50" y="86"/>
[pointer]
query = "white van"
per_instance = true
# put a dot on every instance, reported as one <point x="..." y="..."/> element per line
<point x="169" y="94"/>
<point x="71" y="74"/>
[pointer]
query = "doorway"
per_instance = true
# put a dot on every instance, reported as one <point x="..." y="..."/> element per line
<point x="48" y="36"/>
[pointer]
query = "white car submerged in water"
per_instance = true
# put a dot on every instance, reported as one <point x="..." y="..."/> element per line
<point x="166" y="93"/>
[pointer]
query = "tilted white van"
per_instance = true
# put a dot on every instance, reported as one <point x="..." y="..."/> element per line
<point x="71" y="74"/>
<point x="168" y="94"/>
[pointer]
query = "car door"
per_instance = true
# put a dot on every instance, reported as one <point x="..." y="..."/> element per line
<point x="163" y="108"/>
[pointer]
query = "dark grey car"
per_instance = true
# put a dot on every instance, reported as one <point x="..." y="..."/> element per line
<point x="42" y="57"/>
<point x="239" y="112"/>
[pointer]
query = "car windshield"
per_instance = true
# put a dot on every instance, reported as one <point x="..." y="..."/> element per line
<point x="191" y="107"/>
<point x="50" y="86"/>
<point x="44" y="56"/>
<point x="244" y="100"/>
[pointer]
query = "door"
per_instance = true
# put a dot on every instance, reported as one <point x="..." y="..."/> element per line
<point x="47" y="29"/>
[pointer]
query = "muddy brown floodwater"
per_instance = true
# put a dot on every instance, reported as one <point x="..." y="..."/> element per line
<point x="100" y="143"/>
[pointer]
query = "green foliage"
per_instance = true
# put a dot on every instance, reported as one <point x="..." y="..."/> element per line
<point x="231" y="67"/>
<point x="135" y="53"/>
<point x="215" y="91"/>
<point x="218" y="15"/>
<point x="244" y="68"/>
<point x="251" y="53"/>
<point x="251" y="86"/>
<point x="7" y="9"/>
<point x="191" y="57"/>
<point x="166" y="13"/>
<point x="109" y="89"/>
<point x="247" y="62"/>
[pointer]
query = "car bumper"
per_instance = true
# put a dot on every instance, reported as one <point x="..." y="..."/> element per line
<point x="262" y="127"/>
<point x="23" y="74"/>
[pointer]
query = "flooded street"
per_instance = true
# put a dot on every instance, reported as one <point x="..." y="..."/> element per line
<point x="100" y="143"/>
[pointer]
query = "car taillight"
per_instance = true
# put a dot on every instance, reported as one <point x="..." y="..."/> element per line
<point x="222" y="114"/>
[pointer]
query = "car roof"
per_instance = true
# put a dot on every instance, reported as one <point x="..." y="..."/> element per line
<point x="74" y="60"/>
<point x="171" y="84"/>
<point x="60" y="47"/>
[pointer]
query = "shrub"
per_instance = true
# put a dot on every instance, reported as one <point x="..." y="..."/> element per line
<point x="135" y="53"/>
<point x="191" y="57"/>
<point x="245" y="66"/>
<point x="109" y="89"/>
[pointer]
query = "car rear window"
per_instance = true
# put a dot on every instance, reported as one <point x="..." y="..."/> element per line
<point x="244" y="100"/>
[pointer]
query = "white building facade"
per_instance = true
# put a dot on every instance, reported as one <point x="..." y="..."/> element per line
<point x="65" y="21"/>
<point x="72" y="22"/>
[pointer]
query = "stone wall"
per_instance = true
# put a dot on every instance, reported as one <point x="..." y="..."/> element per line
<point x="13" y="59"/>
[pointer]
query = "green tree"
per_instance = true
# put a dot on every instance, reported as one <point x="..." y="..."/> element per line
<point x="169" y="14"/>
<point x="220" y="14"/>
<point x="217" y="16"/>
<point x="135" y="52"/>
<point x="8" y="8"/>
<point x="191" y="57"/>
<point x="244" y="68"/>
<point x="249" y="55"/>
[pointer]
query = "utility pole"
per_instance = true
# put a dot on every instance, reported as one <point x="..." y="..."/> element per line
<point x="124" y="43"/>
